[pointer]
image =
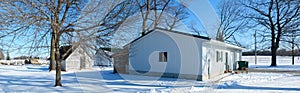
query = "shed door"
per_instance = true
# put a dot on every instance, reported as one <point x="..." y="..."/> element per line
<point x="226" y="61"/>
<point x="82" y="61"/>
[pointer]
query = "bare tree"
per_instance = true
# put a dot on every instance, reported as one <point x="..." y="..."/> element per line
<point x="231" y="22"/>
<point x="291" y="35"/>
<point x="17" y="25"/>
<point x="85" y="22"/>
<point x="290" y="40"/>
<point x="195" y="29"/>
<point x="72" y="21"/>
<point x="275" y="16"/>
<point x="154" y="11"/>
<point x="144" y="5"/>
<point x="176" y="13"/>
<point x="149" y="14"/>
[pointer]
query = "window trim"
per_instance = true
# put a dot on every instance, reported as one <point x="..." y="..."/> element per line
<point x="163" y="56"/>
<point x="219" y="56"/>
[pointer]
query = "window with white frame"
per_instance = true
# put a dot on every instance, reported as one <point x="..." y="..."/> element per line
<point x="163" y="56"/>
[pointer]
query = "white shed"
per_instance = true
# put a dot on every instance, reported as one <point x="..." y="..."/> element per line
<point x="77" y="58"/>
<point x="175" y="54"/>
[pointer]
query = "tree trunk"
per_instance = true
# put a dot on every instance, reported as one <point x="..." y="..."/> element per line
<point x="58" y="62"/>
<point x="52" y="53"/>
<point x="58" y="72"/>
<point x="145" y="18"/>
<point x="293" y="59"/>
<point x="273" y="58"/>
<point x="293" y="53"/>
<point x="273" y="51"/>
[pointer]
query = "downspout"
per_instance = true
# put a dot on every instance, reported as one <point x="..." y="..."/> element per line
<point x="208" y="69"/>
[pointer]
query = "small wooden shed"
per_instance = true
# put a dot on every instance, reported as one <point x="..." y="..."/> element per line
<point x="120" y="60"/>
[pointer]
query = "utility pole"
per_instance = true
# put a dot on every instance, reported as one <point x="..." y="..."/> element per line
<point x="293" y="48"/>
<point x="255" y="48"/>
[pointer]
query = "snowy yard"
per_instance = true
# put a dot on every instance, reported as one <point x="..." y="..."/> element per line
<point x="284" y="63"/>
<point x="34" y="78"/>
<point x="260" y="82"/>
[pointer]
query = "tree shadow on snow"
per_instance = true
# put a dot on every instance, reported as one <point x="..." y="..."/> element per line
<point x="39" y="68"/>
<point x="137" y="80"/>
<point x="295" y="67"/>
<point x="127" y="83"/>
<point x="22" y="83"/>
<point x="237" y="86"/>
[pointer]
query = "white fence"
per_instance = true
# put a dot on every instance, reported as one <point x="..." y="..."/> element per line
<point x="266" y="60"/>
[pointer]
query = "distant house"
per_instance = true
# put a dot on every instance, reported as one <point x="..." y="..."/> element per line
<point x="76" y="58"/>
<point x="175" y="54"/>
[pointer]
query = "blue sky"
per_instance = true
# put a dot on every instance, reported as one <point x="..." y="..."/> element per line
<point x="202" y="8"/>
<point x="205" y="13"/>
<point x="214" y="3"/>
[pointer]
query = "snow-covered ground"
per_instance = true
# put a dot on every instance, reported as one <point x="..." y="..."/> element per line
<point x="260" y="82"/>
<point x="34" y="78"/>
<point x="264" y="62"/>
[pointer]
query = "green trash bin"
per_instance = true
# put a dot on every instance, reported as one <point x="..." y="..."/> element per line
<point x="242" y="64"/>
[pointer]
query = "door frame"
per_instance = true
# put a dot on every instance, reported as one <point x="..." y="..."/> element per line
<point x="226" y="61"/>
